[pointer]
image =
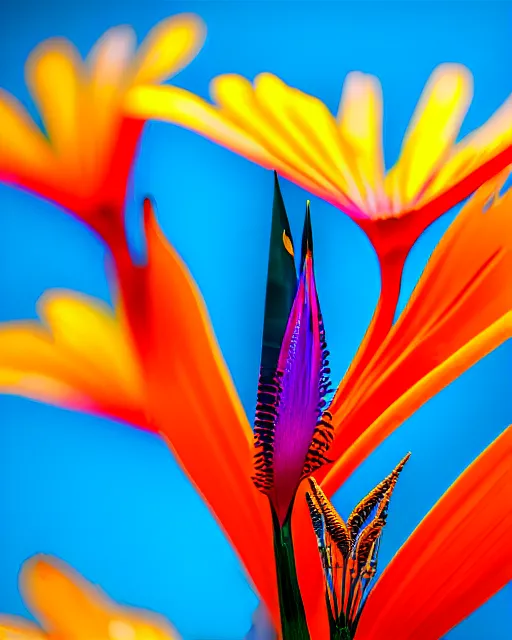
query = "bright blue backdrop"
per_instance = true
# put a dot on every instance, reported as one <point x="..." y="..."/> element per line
<point x="103" y="496"/>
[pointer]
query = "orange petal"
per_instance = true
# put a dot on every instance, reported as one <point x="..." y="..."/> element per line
<point x="14" y="628"/>
<point x="82" y="359"/>
<point x="195" y="405"/>
<point x="454" y="561"/>
<point x="426" y="349"/>
<point x="398" y="412"/>
<point x="70" y="608"/>
<point x="26" y="158"/>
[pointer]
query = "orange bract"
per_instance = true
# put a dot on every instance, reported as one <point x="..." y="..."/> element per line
<point x="455" y="560"/>
<point x="460" y="310"/>
<point x="194" y="403"/>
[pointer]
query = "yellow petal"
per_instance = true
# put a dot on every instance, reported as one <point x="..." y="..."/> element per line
<point x="169" y="47"/>
<point x="177" y="105"/>
<point x="55" y="75"/>
<point x="433" y="129"/>
<point x="250" y="111"/>
<point x="310" y="130"/>
<point x="70" y="608"/>
<point x="475" y="149"/>
<point x="82" y="360"/>
<point x="360" y="124"/>
<point x="109" y="64"/>
<point x="282" y="128"/>
<point x="24" y="151"/>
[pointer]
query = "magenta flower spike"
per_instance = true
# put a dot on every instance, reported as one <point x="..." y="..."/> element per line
<point x="292" y="432"/>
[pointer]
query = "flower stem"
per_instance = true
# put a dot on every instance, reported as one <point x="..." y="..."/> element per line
<point x="382" y="321"/>
<point x="293" y="616"/>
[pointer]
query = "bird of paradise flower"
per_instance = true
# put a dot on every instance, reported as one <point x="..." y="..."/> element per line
<point x="161" y="367"/>
<point x="413" y="599"/>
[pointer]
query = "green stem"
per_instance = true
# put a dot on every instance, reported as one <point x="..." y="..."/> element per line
<point x="338" y="628"/>
<point x="293" y="616"/>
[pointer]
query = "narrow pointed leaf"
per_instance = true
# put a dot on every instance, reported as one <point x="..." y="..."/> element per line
<point x="307" y="238"/>
<point x="378" y="499"/>
<point x="281" y="283"/>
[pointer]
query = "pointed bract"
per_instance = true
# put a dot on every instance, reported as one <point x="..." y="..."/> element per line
<point x="349" y="551"/>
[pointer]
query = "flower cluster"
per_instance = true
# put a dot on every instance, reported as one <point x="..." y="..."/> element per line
<point x="153" y="361"/>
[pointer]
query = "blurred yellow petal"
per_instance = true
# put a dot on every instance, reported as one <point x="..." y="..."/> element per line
<point x="360" y="124"/>
<point x="24" y="151"/>
<point x="164" y="103"/>
<point x="169" y="47"/>
<point x="80" y="359"/>
<point x="433" y="129"/>
<point x="292" y="132"/>
<point x="476" y="148"/>
<point x="109" y="65"/>
<point x="55" y="76"/>
<point x="70" y="608"/>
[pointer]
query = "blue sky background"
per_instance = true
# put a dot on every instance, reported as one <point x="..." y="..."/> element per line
<point x="103" y="496"/>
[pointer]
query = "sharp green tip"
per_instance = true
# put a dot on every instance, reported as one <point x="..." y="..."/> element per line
<point x="307" y="234"/>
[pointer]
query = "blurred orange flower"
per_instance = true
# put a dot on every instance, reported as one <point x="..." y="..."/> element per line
<point x="70" y="608"/>
<point x="83" y="157"/>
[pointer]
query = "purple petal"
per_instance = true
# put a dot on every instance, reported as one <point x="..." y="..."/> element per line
<point x="300" y="362"/>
